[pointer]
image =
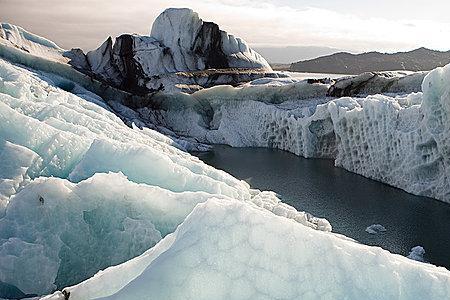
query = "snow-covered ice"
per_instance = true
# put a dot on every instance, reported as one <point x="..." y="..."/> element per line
<point x="16" y="36"/>
<point x="81" y="221"/>
<point x="375" y="229"/>
<point x="232" y="250"/>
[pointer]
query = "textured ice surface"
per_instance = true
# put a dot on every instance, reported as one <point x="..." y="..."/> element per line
<point x="81" y="221"/>
<point x="234" y="250"/>
<point x="402" y="140"/>
<point x="72" y="231"/>
<point x="180" y="30"/>
<point x="375" y="229"/>
<point x="17" y="165"/>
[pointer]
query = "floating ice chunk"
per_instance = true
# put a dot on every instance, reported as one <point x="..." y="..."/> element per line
<point x="417" y="253"/>
<point x="375" y="229"/>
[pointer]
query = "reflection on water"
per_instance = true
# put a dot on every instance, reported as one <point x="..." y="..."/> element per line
<point x="349" y="201"/>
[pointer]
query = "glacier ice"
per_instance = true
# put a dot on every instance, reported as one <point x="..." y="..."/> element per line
<point x="74" y="230"/>
<point x="182" y="53"/>
<point x="183" y="31"/>
<point x="400" y="139"/>
<point x="17" y="37"/>
<point x="372" y="83"/>
<point x="18" y="165"/>
<point x="57" y="151"/>
<point x="234" y="250"/>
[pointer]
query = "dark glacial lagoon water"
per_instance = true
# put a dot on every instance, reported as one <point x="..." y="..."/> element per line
<point x="349" y="201"/>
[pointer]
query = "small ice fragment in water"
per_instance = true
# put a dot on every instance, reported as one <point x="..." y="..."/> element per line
<point x="417" y="253"/>
<point x="375" y="229"/>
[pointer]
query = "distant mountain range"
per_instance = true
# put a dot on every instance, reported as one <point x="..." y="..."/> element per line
<point x="421" y="59"/>
<point x="286" y="55"/>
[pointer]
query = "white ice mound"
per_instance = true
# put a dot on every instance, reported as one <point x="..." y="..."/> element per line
<point x="73" y="230"/>
<point x="234" y="250"/>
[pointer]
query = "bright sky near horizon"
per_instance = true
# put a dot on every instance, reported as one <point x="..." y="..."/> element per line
<point x="357" y="25"/>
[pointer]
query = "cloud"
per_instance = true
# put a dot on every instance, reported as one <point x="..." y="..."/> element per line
<point x="87" y="23"/>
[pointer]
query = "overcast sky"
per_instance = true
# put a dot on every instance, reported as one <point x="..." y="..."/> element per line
<point x="358" y="25"/>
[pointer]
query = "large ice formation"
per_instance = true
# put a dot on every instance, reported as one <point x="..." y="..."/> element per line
<point x="399" y="139"/>
<point x="177" y="55"/>
<point x="48" y="132"/>
<point x="298" y="116"/>
<point x="232" y="250"/>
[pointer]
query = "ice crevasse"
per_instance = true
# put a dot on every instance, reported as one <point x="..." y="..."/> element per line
<point x="81" y="191"/>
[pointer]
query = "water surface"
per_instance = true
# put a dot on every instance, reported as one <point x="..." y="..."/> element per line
<point x="349" y="201"/>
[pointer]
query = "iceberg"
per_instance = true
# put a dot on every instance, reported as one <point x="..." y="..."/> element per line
<point x="417" y="253"/>
<point x="183" y="52"/>
<point x="375" y="229"/>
